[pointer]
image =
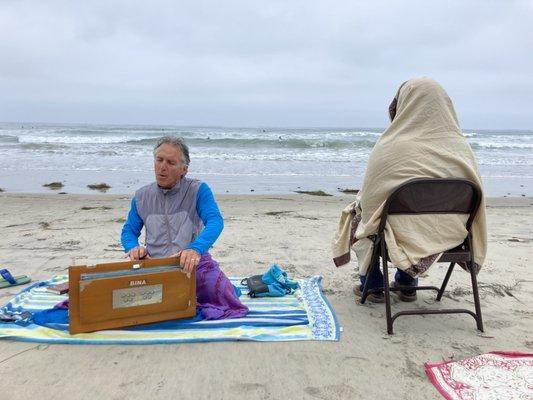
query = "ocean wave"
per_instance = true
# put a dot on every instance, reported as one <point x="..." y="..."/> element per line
<point x="279" y="142"/>
<point x="300" y="157"/>
<point x="9" y="139"/>
<point x="236" y="174"/>
<point x="501" y="146"/>
<point x="117" y="145"/>
<point x="43" y="146"/>
<point x="142" y="141"/>
<point x="75" y="139"/>
<point x="219" y="149"/>
<point x="271" y="141"/>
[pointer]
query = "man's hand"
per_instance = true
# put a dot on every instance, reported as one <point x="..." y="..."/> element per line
<point x="189" y="259"/>
<point x="137" y="253"/>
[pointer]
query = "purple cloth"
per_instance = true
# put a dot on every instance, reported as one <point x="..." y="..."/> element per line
<point x="216" y="298"/>
<point x="62" y="306"/>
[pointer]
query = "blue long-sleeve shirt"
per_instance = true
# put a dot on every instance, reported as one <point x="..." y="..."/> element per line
<point x="207" y="209"/>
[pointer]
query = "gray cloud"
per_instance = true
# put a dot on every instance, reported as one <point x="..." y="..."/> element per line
<point x="284" y="63"/>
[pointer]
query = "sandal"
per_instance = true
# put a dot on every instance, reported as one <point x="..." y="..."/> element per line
<point x="8" y="280"/>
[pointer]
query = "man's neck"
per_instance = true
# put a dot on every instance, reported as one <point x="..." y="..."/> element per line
<point x="165" y="190"/>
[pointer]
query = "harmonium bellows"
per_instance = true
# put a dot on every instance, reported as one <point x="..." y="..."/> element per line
<point x="115" y="295"/>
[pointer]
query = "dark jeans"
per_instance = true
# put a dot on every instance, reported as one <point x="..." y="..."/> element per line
<point x="375" y="278"/>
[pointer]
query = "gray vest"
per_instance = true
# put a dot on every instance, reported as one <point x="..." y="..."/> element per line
<point x="169" y="216"/>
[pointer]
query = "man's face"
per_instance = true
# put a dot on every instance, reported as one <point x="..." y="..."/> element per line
<point x="168" y="166"/>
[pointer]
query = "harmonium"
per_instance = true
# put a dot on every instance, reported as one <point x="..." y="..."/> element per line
<point x="115" y="295"/>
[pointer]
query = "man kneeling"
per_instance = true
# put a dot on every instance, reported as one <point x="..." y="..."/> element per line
<point x="182" y="219"/>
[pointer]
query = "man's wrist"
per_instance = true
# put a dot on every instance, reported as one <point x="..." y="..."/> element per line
<point x="195" y="249"/>
<point x="131" y="248"/>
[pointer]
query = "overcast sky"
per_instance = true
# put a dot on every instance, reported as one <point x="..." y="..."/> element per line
<point x="261" y="63"/>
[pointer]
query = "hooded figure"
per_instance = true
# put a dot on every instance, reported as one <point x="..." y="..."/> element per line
<point x="423" y="141"/>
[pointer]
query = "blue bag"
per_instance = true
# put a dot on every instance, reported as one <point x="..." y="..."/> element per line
<point x="273" y="283"/>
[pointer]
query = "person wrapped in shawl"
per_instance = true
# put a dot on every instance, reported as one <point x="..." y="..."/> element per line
<point x="182" y="218"/>
<point x="423" y="141"/>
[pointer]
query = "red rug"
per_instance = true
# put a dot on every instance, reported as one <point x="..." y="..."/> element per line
<point x="492" y="376"/>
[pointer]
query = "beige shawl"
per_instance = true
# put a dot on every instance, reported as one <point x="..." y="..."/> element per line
<point x="423" y="141"/>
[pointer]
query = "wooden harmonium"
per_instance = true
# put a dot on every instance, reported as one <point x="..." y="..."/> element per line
<point x="114" y="295"/>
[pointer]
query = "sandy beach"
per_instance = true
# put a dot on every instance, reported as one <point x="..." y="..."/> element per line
<point x="44" y="234"/>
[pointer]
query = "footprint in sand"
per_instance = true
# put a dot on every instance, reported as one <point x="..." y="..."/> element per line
<point x="332" y="392"/>
<point x="258" y="390"/>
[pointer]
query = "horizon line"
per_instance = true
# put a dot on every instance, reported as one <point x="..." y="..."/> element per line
<point x="241" y="126"/>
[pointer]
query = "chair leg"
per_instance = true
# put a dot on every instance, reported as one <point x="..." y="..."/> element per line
<point x="371" y="267"/>
<point x="386" y="289"/>
<point x="445" y="282"/>
<point x="475" y="291"/>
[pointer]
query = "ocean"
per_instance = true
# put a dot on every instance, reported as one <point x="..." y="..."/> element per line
<point x="231" y="160"/>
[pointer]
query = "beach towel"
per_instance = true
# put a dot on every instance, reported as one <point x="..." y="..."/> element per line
<point x="492" y="376"/>
<point x="303" y="315"/>
<point x="423" y="141"/>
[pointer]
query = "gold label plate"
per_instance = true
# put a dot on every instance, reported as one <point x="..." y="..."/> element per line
<point x="137" y="296"/>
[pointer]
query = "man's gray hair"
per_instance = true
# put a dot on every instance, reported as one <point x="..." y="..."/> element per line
<point x="177" y="142"/>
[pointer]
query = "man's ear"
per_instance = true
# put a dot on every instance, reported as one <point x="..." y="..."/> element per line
<point x="185" y="170"/>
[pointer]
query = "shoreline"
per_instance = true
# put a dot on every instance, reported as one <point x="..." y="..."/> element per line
<point x="491" y="200"/>
<point x="236" y="185"/>
<point x="120" y="182"/>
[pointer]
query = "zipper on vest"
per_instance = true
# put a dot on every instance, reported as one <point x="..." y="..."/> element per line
<point x="169" y="237"/>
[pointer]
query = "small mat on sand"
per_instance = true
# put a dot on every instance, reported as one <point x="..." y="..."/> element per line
<point x="304" y="315"/>
<point x="494" y="376"/>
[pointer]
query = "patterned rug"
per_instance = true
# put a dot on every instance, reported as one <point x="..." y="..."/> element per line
<point x="304" y="315"/>
<point x="492" y="376"/>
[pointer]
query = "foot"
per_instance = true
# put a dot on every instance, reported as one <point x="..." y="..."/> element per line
<point x="404" y="295"/>
<point x="371" y="297"/>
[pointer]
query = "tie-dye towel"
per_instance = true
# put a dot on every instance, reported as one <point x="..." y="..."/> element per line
<point x="492" y="376"/>
<point x="304" y="315"/>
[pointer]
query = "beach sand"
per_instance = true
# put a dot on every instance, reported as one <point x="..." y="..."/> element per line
<point x="43" y="234"/>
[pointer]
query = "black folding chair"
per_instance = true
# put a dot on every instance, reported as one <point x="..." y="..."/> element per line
<point x="430" y="196"/>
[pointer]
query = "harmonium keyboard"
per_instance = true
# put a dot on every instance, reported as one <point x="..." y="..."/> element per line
<point x="115" y="295"/>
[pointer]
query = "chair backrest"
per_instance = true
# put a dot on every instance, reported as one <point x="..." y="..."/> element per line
<point x="433" y="196"/>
